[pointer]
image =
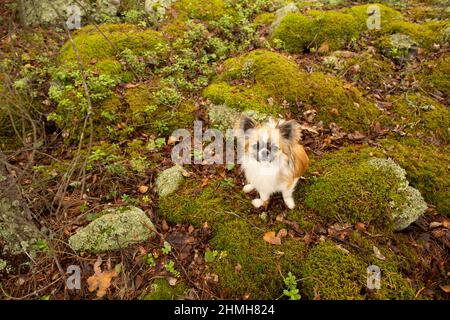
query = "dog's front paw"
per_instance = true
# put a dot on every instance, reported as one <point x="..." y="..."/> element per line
<point x="289" y="203"/>
<point x="248" y="188"/>
<point x="257" y="203"/>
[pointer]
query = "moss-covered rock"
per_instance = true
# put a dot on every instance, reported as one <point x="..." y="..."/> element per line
<point x="101" y="46"/>
<point x="398" y="46"/>
<point x="169" y="180"/>
<point x="114" y="229"/>
<point x="252" y="267"/>
<point x="333" y="273"/>
<point x="298" y="32"/>
<point x="264" y="81"/>
<point x="369" y="191"/>
<point x="198" y="9"/>
<point x="426" y="167"/>
<point x="160" y="289"/>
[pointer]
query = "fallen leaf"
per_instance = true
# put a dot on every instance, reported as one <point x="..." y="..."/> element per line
<point x="271" y="238"/>
<point x="238" y="268"/>
<point x="446" y="288"/>
<point x="378" y="253"/>
<point x="164" y="225"/>
<point x="205" y="182"/>
<point x="172" y="140"/>
<point x="101" y="280"/>
<point x="143" y="189"/>
<point x="435" y="224"/>
<point x="446" y="224"/>
<point x="191" y="229"/>
<point x="360" y="226"/>
<point x="324" y="47"/>
<point x="308" y="128"/>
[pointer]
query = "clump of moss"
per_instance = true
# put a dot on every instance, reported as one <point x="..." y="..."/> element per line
<point x="198" y="9"/>
<point x="160" y="289"/>
<point x="265" y="81"/>
<point x="332" y="274"/>
<point x="360" y="190"/>
<point x="113" y="230"/>
<point x="195" y="204"/>
<point x="421" y="116"/>
<point x="101" y="46"/>
<point x="435" y="76"/>
<point x="299" y="33"/>
<point x="251" y="266"/>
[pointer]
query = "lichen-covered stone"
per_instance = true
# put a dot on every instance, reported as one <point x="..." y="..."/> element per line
<point x="169" y="180"/>
<point x="399" y="47"/>
<point x="298" y="32"/>
<point x="51" y="12"/>
<point x="223" y="117"/>
<point x="17" y="232"/>
<point x="114" y="229"/>
<point x="355" y="189"/>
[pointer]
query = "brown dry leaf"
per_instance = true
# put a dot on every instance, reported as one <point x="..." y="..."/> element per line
<point x="446" y="224"/>
<point x="205" y="182"/>
<point x="446" y="288"/>
<point x="356" y="136"/>
<point x="271" y="238"/>
<point x="238" y="268"/>
<point x="131" y="85"/>
<point x="324" y="47"/>
<point x="378" y="253"/>
<point x="360" y="226"/>
<point x="143" y="189"/>
<point x="100" y="281"/>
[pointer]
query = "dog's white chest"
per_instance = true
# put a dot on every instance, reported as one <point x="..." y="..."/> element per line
<point x="264" y="177"/>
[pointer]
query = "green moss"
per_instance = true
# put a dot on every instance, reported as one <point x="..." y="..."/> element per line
<point x="299" y="32"/>
<point x="195" y="204"/>
<point x="435" y="75"/>
<point x="374" y="191"/>
<point x="264" y="19"/>
<point x="262" y="80"/>
<point x="332" y="274"/>
<point x="387" y="15"/>
<point x="102" y="46"/>
<point x="160" y="289"/>
<point x="202" y="10"/>
<point x="421" y="116"/>
<point x="261" y="264"/>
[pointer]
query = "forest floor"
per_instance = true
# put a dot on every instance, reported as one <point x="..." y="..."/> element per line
<point x="361" y="98"/>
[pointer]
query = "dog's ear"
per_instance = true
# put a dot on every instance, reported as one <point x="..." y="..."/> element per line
<point x="290" y="130"/>
<point x="247" y="123"/>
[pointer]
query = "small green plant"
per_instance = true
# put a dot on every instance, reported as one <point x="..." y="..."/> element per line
<point x="170" y="267"/>
<point x="150" y="260"/>
<point x="40" y="246"/>
<point x="167" y="248"/>
<point x="210" y="256"/>
<point x="291" y="290"/>
<point x="227" y="182"/>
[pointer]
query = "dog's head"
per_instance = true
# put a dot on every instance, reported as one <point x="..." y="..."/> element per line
<point x="269" y="141"/>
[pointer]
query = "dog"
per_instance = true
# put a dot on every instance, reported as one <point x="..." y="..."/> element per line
<point x="272" y="159"/>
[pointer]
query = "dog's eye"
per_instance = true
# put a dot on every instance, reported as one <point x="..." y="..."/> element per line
<point x="255" y="146"/>
<point x="274" y="148"/>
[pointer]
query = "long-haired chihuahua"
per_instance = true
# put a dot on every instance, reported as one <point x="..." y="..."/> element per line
<point x="273" y="159"/>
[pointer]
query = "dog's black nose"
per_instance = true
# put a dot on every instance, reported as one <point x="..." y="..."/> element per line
<point x="264" y="155"/>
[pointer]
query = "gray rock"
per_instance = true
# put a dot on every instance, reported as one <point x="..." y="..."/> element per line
<point x="115" y="229"/>
<point x="400" y="47"/>
<point x="36" y="12"/>
<point x="169" y="180"/>
<point x="281" y="13"/>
